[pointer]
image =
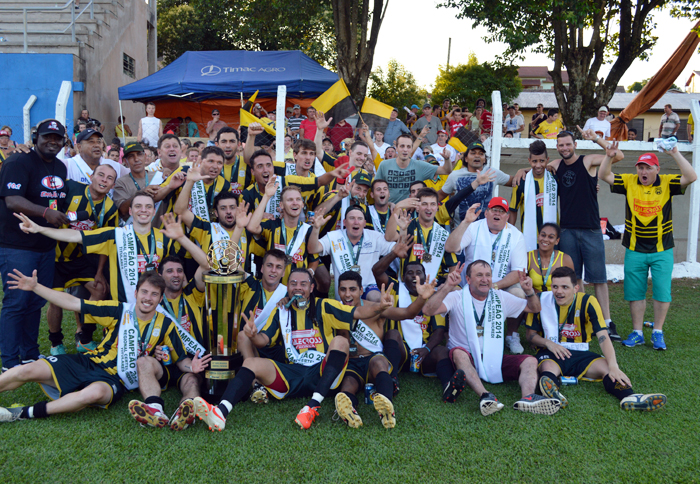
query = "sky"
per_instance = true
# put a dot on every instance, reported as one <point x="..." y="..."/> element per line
<point x="405" y="36"/>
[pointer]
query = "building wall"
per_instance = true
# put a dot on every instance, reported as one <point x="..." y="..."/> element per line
<point x="38" y="74"/>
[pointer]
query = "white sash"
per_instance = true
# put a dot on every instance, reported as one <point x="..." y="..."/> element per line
<point x="411" y="328"/>
<point x="128" y="347"/>
<point x="344" y="204"/>
<point x="367" y="338"/>
<point x="274" y="203"/>
<point x="488" y="362"/>
<point x="550" y="322"/>
<point x="436" y="250"/>
<point x="188" y="341"/>
<point x="84" y="169"/>
<point x="376" y="221"/>
<point x="291" y="168"/>
<point x="127" y="257"/>
<point x="307" y="358"/>
<point x="483" y="250"/>
<point x="340" y="252"/>
<point x="301" y="237"/>
<point x="276" y="297"/>
<point x="549" y="207"/>
<point x="198" y="200"/>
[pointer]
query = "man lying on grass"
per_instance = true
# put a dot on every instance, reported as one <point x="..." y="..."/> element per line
<point x="563" y="329"/>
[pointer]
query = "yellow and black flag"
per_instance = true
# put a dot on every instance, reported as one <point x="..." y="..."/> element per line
<point x="336" y="102"/>
<point x="375" y="114"/>
<point x="247" y="118"/>
<point x="249" y="103"/>
<point x="462" y="139"/>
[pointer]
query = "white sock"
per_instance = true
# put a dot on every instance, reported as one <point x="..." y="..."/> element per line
<point x="656" y="331"/>
<point x="157" y="406"/>
<point x="608" y="321"/>
<point x="639" y="332"/>
<point x="226" y="404"/>
<point x="516" y="335"/>
<point x="30" y="411"/>
<point x="318" y="397"/>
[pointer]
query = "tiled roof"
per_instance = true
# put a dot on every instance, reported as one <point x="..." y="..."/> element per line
<point x="539" y="72"/>
<point x="680" y="101"/>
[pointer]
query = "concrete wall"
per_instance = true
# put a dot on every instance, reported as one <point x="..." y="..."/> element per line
<point x="38" y="74"/>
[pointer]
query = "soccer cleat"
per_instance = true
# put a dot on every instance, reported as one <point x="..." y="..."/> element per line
<point x="184" y="416"/>
<point x="634" y="339"/>
<point x="489" y="404"/>
<point x="209" y="414"/>
<point x="385" y="409"/>
<point x="644" y="403"/>
<point x="534" y="403"/>
<point x="457" y="384"/>
<point x="58" y="350"/>
<point x="395" y="379"/>
<point x="345" y="410"/>
<point x="306" y="416"/>
<point x="549" y="389"/>
<point x="514" y="345"/>
<point x="147" y="415"/>
<point x="10" y="414"/>
<point x="612" y="331"/>
<point x="259" y="394"/>
<point x="86" y="348"/>
<point x="657" y="337"/>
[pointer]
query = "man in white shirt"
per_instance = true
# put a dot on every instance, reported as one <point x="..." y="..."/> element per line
<point x="81" y="167"/>
<point x="494" y="240"/>
<point x="379" y="144"/>
<point x="441" y="145"/>
<point x="513" y="123"/>
<point x="599" y="124"/>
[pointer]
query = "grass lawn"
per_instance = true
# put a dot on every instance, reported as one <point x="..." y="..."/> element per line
<point x="590" y="441"/>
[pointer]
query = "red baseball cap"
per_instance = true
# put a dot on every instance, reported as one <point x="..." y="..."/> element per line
<point x="499" y="202"/>
<point x="442" y="131"/>
<point x="4" y="132"/>
<point x="648" y="159"/>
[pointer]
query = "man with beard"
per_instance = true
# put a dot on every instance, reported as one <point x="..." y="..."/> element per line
<point x="316" y="358"/>
<point x="81" y="167"/>
<point x="367" y="363"/>
<point x="235" y="171"/>
<point x="137" y="180"/>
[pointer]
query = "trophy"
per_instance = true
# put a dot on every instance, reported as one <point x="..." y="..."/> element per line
<point x="222" y="317"/>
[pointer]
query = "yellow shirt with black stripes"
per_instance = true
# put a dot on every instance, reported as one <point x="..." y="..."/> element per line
<point x="108" y="314"/>
<point x="335" y="213"/>
<point x="102" y="241"/>
<point x="200" y="232"/>
<point x="307" y="185"/>
<point x="77" y="202"/>
<point x="271" y="238"/>
<point x="329" y="316"/>
<point x="429" y="324"/>
<point x="191" y="319"/>
<point x="212" y="190"/>
<point x="238" y="174"/>
<point x="648" y="214"/>
<point x="448" y="259"/>
<point x="517" y="201"/>
<point x="579" y="321"/>
<point x="250" y="297"/>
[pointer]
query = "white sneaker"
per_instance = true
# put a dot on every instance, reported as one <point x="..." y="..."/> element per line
<point x="514" y="345"/>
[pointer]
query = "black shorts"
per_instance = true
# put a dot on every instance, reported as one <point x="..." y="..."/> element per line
<point x="293" y="381"/>
<point x="359" y="366"/>
<point x="576" y="366"/>
<point x="171" y="376"/>
<point x="75" y="272"/>
<point x="72" y="373"/>
<point x="273" y="353"/>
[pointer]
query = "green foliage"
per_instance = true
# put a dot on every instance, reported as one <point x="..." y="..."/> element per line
<point x="397" y="88"/>
<point x="465" y="83"/>
<point x="197" y="25"/>
<point x="637" y="86"/>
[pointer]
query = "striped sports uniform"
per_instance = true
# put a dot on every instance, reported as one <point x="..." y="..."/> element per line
<point x="578" y="322"/>
<point x="189" y="306"/>
<point x="212" y="190"/>
<point x="272" y="236"/>
<point x="72" y="266"/>
<point x="253" y="297"/>
<point x="308" y="187"/>
<point x="517" y="201"/>
<point x="200" y="232"/>
<point x="294" y="380"/>
<point x="102" y="241"/>
<point x="532" y="266"/>
<point x="448" y="259"/>
<point x="238" y="174"/>
<point x="334" y="223"/>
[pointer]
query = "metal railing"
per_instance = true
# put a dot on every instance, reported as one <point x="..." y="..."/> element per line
<point x="69" y="5"/>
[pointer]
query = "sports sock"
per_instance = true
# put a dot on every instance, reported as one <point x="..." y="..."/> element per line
<point x="86" y="333"/>
<point x="444" y="370"/>
<point x="392" y="351"/>
<point x="56" y="338"/>
<point x="155" y="402"/>
<point x="316" y="400"/>
<point x="656" y="331"/>
<point x="334" y="365"/>
<point x="608" y="321"/>
<point x="552" y="376"/>
<point x="384" y="385"/>
<point x="38" y="410"/>
<point x="638" y="331"/>
<point x="353" y="399"/>
<point x="236" y="390"/>
<point x="616" y="389"/>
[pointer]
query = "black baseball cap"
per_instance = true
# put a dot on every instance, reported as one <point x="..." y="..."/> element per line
<point x="51" y="126"/>
<point x="362" y="178"/>
<point x="134" y="147"/>
<point x="86" y="134"/>
<point x="476" y="145"/>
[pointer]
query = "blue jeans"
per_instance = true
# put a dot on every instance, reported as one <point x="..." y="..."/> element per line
<point x="21" y="310"/>
<point x="586" y="249"/>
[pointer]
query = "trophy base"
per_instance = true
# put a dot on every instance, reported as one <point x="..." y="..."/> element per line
<point x="222" y="369"/>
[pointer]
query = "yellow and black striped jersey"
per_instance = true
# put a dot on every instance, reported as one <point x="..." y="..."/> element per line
<point x="429" y="324"/>
<point x="578" y="323"/>
<point x="190" y="308"/>
<point x="109" y="315"/>
<point x="308" y="186"/>
<point x="213" y="189"/>
<point x="252" y="297"/>
<point x="335" y="213"/>
<point x="200" y="232"/>
<point x="78" y="201"/>
<point x="102" y="241"/>
<point x="648" y="215"/>
<point x="272" y="237"/>
<point x="312" y="333"/>
<point x="238" y="174"/>
<point x="419" y="242"/>
<point x="517" y="201"/>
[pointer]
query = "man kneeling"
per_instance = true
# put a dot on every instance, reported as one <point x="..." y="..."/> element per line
<point x="567" y="320"/>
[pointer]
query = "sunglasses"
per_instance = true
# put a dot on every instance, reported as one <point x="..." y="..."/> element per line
<point x="214" y="114"/>
<point x="427" y="153"/>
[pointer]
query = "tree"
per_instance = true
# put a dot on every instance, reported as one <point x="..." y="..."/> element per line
<point x="619" y="31"/>
<point x="398" y="88"/>
<point x="465" y="83"/>
<point x="246" y="25"/>
<point x="356" y="42"/>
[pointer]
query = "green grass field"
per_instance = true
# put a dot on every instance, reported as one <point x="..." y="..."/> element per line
<point x="590" y="441"/>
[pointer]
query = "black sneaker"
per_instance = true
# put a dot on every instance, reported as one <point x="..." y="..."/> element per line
<point x="456" y="385"/>
<point x="395" y="379"/>
<point x="612" y="330"/>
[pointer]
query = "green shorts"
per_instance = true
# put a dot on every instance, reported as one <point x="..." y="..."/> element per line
<point x="637" y="265"/>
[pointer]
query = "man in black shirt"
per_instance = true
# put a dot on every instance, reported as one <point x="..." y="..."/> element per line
<point x="32" y="183"/>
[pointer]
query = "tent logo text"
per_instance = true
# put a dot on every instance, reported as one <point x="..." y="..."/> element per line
<point x="213" y="70"/>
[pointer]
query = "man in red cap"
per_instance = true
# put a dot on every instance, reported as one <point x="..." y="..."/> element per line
<point x="496" y="241"/>
<point x="648" y="236"/>
<point x="441" y="148"/>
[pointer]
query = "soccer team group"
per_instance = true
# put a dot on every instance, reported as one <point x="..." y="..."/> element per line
<point x="430" y="273"/>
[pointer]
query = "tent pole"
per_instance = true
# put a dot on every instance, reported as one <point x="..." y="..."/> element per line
<point x="279" y="123"/>
<point x="121" y="116"/>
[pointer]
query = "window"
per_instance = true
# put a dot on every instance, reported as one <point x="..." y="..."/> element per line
<point x="129" y="66"/>
<point x="638" y="124"/>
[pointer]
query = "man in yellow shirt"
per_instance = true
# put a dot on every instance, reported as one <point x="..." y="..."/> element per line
<point x="549" y="128"/>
